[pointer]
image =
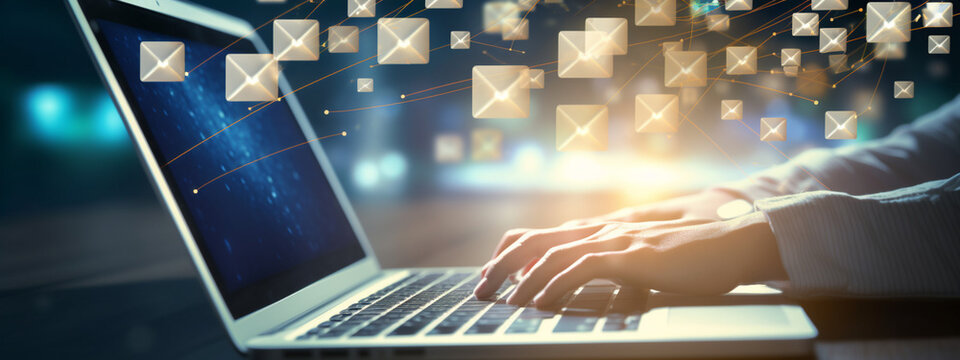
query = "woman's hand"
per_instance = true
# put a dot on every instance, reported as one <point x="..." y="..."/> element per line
<point x="687" y="256"/>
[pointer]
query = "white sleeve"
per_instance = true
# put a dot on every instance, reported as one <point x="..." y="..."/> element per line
<point x="925" y="150"/>
<point x="904" y="242"/>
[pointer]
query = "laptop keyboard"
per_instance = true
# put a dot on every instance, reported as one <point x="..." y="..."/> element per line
<point x="441" y="303"/>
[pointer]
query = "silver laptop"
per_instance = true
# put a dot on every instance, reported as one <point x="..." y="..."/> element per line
<point x="285" y="260"/>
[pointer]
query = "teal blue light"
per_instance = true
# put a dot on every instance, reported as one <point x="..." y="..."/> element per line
<point x="108" y="124"/>
<point x="393" y="165"/>
<point x="48" y="110"/>
<point x="700" y="7"/>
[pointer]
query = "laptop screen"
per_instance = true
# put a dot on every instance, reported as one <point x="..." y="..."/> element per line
<point x="266" y="226"/>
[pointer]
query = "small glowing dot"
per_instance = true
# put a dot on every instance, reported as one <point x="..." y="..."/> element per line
<point x="869" y="108"/>
<point x="774" y="33"/>
<point x="250" y="108"/>
<point x="403" y="96"/>
<point x="816" y="102"/>
<point x="791" y="94"/>
<point x="771" y="71"/>
<point x="186" y="73"/>
<point x="834" y="86"/>
<point x="831" y="19"/>
<point x="326" y="112"/>
<point x="860" y="9"/>
<point x="196" y="191"/>
<point x="343" y="133"/>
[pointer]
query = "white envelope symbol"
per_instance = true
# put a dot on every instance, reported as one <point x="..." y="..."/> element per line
<point x="890" y="51"/>
<point x="536" y="79"/>
<point x="251" y="77"/>
<point x="615" y="33"/>
<point x="403" y="41"/>
<point x="773" y="129"/>
<point x="731" y="109"/>
<point x="903" y="89"/>
<point x="486" y="144"/>
<point x="671" y="46"/>
<point x="888" y="22"/>
<point x="824" y="5"/>
<point x="459" y="39"/>
<point x="515" y="29"/>
<point x="938" y="44"/>
<point x="162" y="61"/>
<point x="343" y="39"/>
<point x="685" y="69"/>
<point x="718" y="22"/>
<point x="938" y="14"/>
<point x="580" y="54"/>
<point x="791" y="71"/>
<point x="739" y="5"/>
<point x="582" y="127"/>
<point x="806" y="24"/>
<point x="495" y="12"/>
<point x="741" y="60"/>
<point x="656" y="113"/>
<point x="840" y="125"/>
<point x="655" y="12"/>
<point x="444" y="4"/>
<point x="833" y="40"/>
<point x="838" y="63"/>
<point x="790" y="57"/>
<point x="296" y="40"/>
<point x="365" y="85"/>
<point x="361" y="8"/>
<point x="501" y="91"/>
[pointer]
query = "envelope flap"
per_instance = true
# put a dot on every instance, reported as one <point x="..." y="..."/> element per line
<point x="403" y="28"/>
<point x="251" y="64"/>
<point x="162" y="50"/>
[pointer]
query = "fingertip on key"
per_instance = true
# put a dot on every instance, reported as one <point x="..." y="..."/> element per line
<point x="479" y="290"/>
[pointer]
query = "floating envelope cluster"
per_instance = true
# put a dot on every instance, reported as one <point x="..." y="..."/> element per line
<point x="162" y="61"/>
<point x="501" y="91"/>
<point x="888" y="22"/>
<point x="790" y="61"/>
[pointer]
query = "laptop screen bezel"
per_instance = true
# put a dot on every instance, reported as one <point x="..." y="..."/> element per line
<point x="278" y="312"/>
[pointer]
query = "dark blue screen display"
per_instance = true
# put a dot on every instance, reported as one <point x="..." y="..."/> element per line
<point x="266" y="230"/>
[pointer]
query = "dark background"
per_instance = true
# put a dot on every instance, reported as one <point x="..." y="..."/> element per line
<point x="90" y="264"/>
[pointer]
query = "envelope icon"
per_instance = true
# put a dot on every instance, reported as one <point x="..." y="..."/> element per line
<point x="791" y="71"/>
<point x="741" y="60"/>
<point x="252" y="77"/>
<point x="890" y="51"/>
<point x="790" y="57"/>
<point x="718" y="23"/>
<point x="162" y="61"/>
<point x="738" y="5"/>
<point x="888" y="22"/>
<point x="527" y="5"/>
<point x="656" y="113"/>
<point x="501" y="91"/>
<point x="580" y="54"/>
<point x="343" y="39"/>
<point x="824" y="5"/>
<point x="495" y="12"/>
<point x="833" y="40"/>
<point x="806" y="24"/>
<point x="486" y="144"/>
<point x="296" y="40"/>
<point x="672" y="46"/>
<point x="837" y="63"/>
<point x="773" y="129"/>
<point x="615" y="33"/>
<point x="444" y="4"/>
<point x="655" y="12"/>
<point x="938" y="44"/>
<point x="903" y="89"/>
<point x="448" y="148"/>
<point x="403" y="41"/>
<point x="731" y="109"/>
<point x="459" y="39"/>
<point x="364" y="85"/>
<point x="536" y="79"/>
<point x="515" y="29"/>
<point x="361" y="8"/>
<point x="938" y="14"/>
<point x="840" y="125"/>
<point x="582" y="127"/>
<point x="685" y="69"/>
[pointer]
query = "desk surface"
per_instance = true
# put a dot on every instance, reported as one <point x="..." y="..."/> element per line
<point x="115" y="282"/>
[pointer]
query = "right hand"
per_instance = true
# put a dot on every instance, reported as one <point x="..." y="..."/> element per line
<point x="698" y="206"/>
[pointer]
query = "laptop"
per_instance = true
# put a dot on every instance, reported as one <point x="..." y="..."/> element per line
<point x="286" y="263"/>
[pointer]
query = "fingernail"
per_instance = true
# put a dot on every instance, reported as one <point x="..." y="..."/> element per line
<point x="478" y="291"/>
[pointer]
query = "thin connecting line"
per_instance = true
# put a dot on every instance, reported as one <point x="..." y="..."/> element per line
<point x="245" y="36"/>
<point x="498" y="47"/>
<point x="704" y="133"/>
<point x="862" y="64"/>
<point x="403" y="96"/>
<point x="860" y="10"/>
<point x="735" y="81"/>
<point x="525" y="18"/>
<point x="493" y="57"/>
<point x="632" y="77"/>
<point x="581" y="9"/>
<point x="328" y="112"/>
<point x="875" y="88"/>
<point x="326" y="76"/>
<point x="314" y="9"/>
<point x="197" y="189"/>
<point x="784" y="155"/>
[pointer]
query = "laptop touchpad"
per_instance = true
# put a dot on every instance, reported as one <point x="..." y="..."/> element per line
<point x="705" y="317"/>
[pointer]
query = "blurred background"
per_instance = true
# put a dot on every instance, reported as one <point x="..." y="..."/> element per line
<point x="77" y="211"/>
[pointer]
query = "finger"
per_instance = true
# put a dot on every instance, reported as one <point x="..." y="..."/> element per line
<point x="531" y="245"/>
<point x="556" y="260"/>
<point x="589" y="267"/>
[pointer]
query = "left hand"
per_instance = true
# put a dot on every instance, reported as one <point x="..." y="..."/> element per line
<point x="686" y="256"/>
